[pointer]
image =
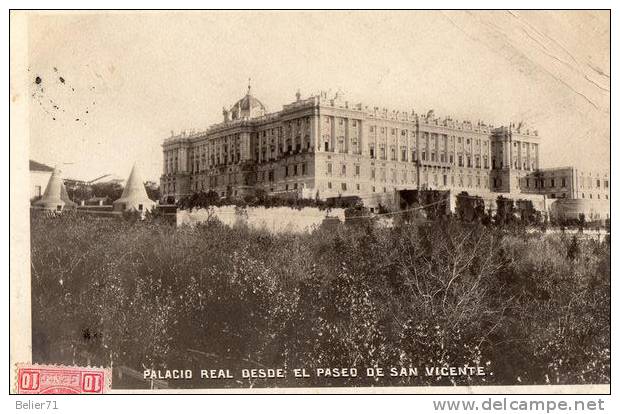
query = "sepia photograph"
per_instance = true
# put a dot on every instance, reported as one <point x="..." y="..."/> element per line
<point x="323" y="201"/>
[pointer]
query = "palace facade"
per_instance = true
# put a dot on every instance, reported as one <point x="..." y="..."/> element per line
<point x="323" y="147"/>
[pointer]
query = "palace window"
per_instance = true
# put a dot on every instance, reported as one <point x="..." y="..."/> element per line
<point x="341" y="145"/>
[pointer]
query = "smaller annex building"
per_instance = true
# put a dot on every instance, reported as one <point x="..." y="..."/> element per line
<point x="39" y="176"/>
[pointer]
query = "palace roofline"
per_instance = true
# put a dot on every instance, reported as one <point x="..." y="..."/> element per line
<point x="321" y="100"/>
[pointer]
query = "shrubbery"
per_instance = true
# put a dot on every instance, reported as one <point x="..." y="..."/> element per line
<point x="261" y="198"/>
<point x="147" y="294"/>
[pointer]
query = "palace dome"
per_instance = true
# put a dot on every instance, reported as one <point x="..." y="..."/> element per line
<point x="248" y="107"/>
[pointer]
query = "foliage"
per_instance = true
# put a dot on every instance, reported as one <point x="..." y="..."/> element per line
<point x="505" y="214"/>
<point x="152" y="190"/>
<point x="79" y="192"/>
<point x="529" y="215"/>
<point x="211" y="198"/>
<point x="112" y="190"/>
<point x="435" y="202"/>
<point x="141" y="293"/>
<point x="470" y="208"/>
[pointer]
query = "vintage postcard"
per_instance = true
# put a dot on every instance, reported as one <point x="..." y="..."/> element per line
<point x="310" y="201"/>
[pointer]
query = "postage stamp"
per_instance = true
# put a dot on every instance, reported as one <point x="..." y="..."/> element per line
<point x="59" y="379"/>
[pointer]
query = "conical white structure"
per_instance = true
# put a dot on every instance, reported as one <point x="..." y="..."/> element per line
<point x="52" y="198"/>
<point x="134" y="195"/>
<point x="64" y="196"/>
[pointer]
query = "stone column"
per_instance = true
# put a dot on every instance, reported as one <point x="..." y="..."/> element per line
<point x="347" y="142"/>
<point x="386" y="145"/>
<point x="528" y="156"/>
<point x="360" y="135"/>
<point x="185" y="162"/>
<point x="332" y="139"/>
<point x="246" y="147"/>
<point x="314" y="132"/>
<point x="397" y="149"/>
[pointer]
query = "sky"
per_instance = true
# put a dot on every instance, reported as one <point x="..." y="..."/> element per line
<point x="106" y="88"/>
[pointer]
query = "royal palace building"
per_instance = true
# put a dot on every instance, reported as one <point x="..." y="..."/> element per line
<point x="323" y="147"/>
